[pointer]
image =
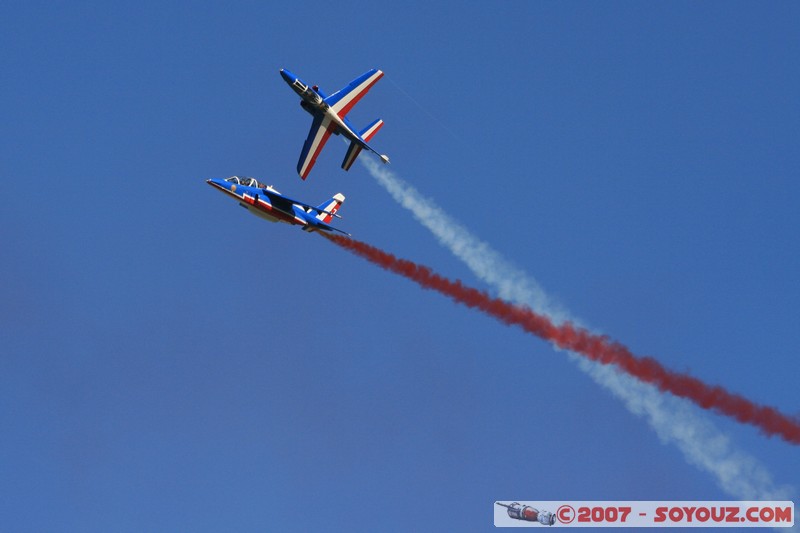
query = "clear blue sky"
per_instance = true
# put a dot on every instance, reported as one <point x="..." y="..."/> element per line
<point x="169" y="362"/>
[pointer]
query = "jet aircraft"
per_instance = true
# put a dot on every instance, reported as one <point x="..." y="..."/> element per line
<point x="266" y="202"/>
<point x="330" y="116"/>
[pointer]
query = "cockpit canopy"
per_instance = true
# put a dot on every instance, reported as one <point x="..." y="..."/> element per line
<point x="247" y="182"/>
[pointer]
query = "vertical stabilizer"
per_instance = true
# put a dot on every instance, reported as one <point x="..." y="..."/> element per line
<point x="330" y="208"/>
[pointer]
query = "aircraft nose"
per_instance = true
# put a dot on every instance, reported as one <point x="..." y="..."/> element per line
<point x="218" y="183"/>
<point x="287" y="76"/>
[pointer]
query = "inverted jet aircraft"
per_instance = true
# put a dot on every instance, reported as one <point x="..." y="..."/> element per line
<point x="265" y="202"/>
<point x="330" y="116"/>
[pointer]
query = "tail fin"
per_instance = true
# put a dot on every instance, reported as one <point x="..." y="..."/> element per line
<point x="366" y="134"/>
<point x="330" y="208"/>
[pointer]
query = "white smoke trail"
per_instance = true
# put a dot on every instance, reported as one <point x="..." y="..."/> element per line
<point x="674" y="420"/>
<point x="511" y="283"/>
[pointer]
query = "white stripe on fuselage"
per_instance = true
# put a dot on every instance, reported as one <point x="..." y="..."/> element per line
<point x="339" y="122"/>
<point x="350" y="134"/>
<point x="253" y="209"/>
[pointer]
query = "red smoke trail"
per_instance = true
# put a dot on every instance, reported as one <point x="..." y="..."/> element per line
<point x="595" y="347"/>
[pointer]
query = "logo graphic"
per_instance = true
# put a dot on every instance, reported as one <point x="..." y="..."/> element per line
<point x="528" y="513"/>
<point x="650" y="514"/>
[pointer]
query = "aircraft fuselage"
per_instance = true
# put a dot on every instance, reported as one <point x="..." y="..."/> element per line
<point x="260" y="205"/>
<point x="313" y="102"/>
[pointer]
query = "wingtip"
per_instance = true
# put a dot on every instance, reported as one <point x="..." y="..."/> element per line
<point x="384" y="158"/>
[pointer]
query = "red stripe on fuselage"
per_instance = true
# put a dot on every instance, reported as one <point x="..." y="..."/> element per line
<point x="271" y="211"/>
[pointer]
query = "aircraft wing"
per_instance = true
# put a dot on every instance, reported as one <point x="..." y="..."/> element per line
<point x="284" y="203"/>
<point x="321" y="129"/>
<point x="341" y="102"/>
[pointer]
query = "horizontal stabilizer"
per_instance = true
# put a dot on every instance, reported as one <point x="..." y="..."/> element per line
<point x="369" y="132"/>
<point x="351" y="155"/>
<point x="324" y="227"/>
<point x="366" y="135"/>
<point x="331" y="228"/>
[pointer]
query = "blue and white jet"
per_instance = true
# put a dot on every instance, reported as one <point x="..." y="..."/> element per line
<point x="266" y="202"/>
<point x="330" y="116"/>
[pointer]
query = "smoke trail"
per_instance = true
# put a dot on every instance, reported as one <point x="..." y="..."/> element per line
<point x="512" y="284"/>
<point x="595" y="347"/>
<point x="701" y="442"/>
<point x="673" y="419"/>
